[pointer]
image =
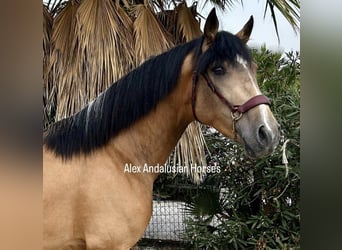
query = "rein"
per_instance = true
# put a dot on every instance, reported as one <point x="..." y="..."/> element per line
<point x="236" y="110"/>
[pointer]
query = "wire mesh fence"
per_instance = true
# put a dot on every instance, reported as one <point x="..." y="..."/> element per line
<point x="167" y="225"/>
<point x="167" y="221"/>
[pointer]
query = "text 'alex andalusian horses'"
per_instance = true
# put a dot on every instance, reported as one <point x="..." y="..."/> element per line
<point x="90" y="202"/>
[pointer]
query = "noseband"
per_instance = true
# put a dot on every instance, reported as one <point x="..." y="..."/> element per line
<point x="236" y="110"/>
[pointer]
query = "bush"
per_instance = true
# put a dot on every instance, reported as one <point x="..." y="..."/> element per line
<point x="254" y="203"/>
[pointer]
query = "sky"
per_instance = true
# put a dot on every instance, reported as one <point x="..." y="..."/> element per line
<point x="233" y="19"/>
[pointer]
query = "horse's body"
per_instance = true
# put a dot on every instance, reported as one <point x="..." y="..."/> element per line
<point x="90" y="202"/>
<point x="94" y="199"/>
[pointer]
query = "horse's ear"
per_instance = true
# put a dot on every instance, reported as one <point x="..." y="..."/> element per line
<point x="211" y="27"/>
<point x="246" y="31"/>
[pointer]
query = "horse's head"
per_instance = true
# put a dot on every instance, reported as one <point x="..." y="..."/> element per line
<point x="225" y="91"/>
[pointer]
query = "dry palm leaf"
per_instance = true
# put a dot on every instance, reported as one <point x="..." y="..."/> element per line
<point x="168" y="20"/>
<point x="151" y="38"/>
<point x="190" y="152"/>
<point x="49" y="102"/>
<point x="188" y="27"/>
<point x="62" y="67"/>
<point x="92" y="48"/>
<point x="47" y="29"/>
<point x="105" y="36"/>
<point x="55" y="6"/>
<point x="63" y="33"/>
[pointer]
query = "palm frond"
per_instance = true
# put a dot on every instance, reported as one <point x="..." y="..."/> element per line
<point x="93" y="47"/>
<point x="189" y="152"/>
<point x="151" y="38"/>
<point x="168" y="19"/>
<point x="188" y="27"/>
<point x="47" y="29"/>
<point x="62" y="56"/>
<point x="105" y="40"/>
<point x="288" y="8"/>
<point x="55" y="6"/>
<point x="63" y="33"/>
<point x="205" y="205"/>
<point x="49" y="102"/>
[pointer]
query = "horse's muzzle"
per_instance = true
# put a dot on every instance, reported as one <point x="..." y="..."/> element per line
<point x="265" y="141"/>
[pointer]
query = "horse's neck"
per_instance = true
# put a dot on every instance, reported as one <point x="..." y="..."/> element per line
<point x="151" y="139"/>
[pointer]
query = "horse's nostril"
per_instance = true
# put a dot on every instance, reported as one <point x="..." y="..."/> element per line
<point x="263" y="135"/>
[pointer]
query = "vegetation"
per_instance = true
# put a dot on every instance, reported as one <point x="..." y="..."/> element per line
<point x="254" y="203"/>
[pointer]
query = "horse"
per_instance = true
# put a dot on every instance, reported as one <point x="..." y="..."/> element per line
<point x="90" y="201"/>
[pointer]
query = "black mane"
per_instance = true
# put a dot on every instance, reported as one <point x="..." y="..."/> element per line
<point x="133" y="96"/>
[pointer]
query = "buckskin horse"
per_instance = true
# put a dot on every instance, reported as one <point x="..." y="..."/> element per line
<point x="89" y="201"/>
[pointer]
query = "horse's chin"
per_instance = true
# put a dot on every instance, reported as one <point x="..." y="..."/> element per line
<point x="254" y="151"/>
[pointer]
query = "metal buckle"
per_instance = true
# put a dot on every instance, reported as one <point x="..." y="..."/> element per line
<point x="235" y="119"/>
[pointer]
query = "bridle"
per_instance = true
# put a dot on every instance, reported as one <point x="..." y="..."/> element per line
<point x="236" y="110"/>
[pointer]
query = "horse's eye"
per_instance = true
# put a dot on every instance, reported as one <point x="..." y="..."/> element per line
<point x="218" y="70"/>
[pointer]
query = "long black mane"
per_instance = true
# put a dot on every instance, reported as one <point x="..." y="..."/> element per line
<point x="133" y="96"/>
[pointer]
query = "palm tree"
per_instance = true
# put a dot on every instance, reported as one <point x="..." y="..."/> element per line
<point x="89" y="44"/>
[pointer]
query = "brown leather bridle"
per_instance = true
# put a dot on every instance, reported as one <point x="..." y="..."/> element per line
<point x="236" y="110"/>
